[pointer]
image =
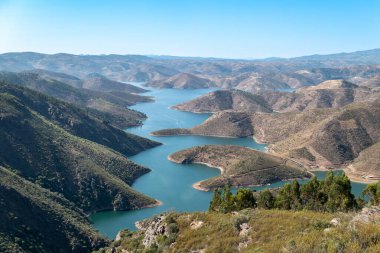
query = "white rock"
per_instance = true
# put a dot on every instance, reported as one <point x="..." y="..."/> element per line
<point x="195" y="224"/>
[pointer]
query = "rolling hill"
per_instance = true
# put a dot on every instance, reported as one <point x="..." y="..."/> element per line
<point x="111" y="106"/>
<point x="182" y="81"/>
<point x="328" y="94"/>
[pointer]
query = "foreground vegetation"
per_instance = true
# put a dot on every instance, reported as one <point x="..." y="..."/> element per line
<point x="318" y="216"/>
<point x="255" y="230"/>
<point x="333" y="194"/>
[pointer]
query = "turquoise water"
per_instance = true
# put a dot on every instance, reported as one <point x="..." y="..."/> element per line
<point x="169" y="182"/>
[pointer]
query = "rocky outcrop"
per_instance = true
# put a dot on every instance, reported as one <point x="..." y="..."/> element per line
<point x="152" y="228"/>
<point x="367" y="215"/>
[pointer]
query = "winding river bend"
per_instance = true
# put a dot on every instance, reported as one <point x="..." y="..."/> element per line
<point x="169" y="182"/>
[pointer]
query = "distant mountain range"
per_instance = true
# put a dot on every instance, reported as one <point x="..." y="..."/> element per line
<point x="360" y="67"/>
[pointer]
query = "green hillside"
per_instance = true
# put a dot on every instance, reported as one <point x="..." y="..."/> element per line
<point x="39" y="149"/>
<point x="36" y="220"/>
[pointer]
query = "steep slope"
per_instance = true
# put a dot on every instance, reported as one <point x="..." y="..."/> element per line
<point x="226" y="100"/>
<point x="239" y="166"/>
<point x="78" y="122"/>
<point x="182" y="81"/>
<point x="337" y="139"/>
<point x="40" y="149"/>
<point x="36" y="220"/>
<point x="111" y="106"/>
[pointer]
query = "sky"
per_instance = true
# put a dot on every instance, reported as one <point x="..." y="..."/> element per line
<point x="245" y="29"/>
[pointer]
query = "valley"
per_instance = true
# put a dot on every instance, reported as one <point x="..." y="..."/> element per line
<point x="62" y="133"/>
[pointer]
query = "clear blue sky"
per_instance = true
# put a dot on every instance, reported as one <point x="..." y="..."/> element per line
<point x="215" y="28"/>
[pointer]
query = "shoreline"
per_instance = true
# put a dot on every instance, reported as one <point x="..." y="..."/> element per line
<point x="197" y="185"/>
<point x="204" y="135"/>
<point x="157" y="203"/>
<point x="354" y="177"/>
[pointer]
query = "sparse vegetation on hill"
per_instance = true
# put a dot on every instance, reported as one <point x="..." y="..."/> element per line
<point x="240" y="166"/>
<point x="319" y="138"/>
<point x="182" y="81"/>
<point x="329" y="94"/>
<point x="226" y="100"/>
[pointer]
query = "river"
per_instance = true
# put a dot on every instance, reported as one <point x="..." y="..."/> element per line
<point x="169" y="182"/>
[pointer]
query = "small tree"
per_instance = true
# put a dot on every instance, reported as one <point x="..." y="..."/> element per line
<point x="244" y="198"/>
<point x="372" y="192"/>
<point x="296" y="196"/>
<point x="216" y="201"/>
<point x="284" y="199"/>
<point x="265" y="200"/>
<point x="312" y="197"/>
<point x="227" y="204"/>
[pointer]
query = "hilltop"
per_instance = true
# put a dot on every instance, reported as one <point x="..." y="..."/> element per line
<point x="331" y="84"/>
<point x="226" y="100"/>
<point x="239" y="166"/>
<point x="182" y="81"/>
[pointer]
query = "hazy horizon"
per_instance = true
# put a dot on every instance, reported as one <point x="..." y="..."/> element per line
<point x="239" y="29"/>
<point x="185" y="56"/>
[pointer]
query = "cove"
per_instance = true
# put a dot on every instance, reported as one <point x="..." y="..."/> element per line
<point x="169" y="182"/>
